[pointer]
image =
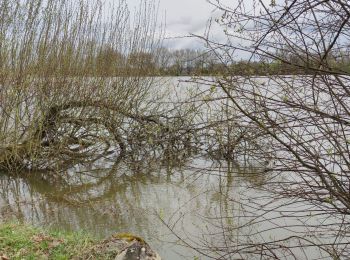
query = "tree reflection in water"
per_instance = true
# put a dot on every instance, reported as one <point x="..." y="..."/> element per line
<point x="130" y="195"/>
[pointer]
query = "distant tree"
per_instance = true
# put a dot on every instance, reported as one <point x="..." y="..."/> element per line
<point x="163" y="60"/>
<point x="141" y="62"/>
<point x="109" y="62"/>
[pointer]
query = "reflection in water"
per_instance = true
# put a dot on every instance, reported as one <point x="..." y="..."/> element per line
<point x="126" y="196"/>
<point x="211" y="206"/>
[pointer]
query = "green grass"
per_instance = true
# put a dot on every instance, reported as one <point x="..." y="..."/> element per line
<point x="21" y="241"/>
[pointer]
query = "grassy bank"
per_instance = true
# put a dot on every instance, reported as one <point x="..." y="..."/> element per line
<point x="20" y="241"/>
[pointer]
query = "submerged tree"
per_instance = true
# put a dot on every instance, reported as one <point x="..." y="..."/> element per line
<point x="60" y="102"/>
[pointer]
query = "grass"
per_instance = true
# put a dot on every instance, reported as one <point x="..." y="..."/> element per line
<point x="21" y="241"/>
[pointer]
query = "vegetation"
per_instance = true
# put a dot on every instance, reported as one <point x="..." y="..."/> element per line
<point x="189" y="62"/>
<point x="58" y="107"/>
<point x="74" y="92"/>
<point x="305" y="119"/>
<point x="20" y="241"/>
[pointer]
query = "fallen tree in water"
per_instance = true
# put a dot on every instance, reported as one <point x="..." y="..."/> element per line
<point x="81" y="130"/>
<point x="50" y="113"/>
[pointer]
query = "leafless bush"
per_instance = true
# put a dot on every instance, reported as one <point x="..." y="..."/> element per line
<point x="73" y="81"/>
<point x="304" y="118"/>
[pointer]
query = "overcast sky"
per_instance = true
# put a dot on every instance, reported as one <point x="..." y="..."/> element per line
<point x="183" y="17"/>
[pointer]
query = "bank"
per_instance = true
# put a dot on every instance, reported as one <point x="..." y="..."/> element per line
<point x="23" y="241"/>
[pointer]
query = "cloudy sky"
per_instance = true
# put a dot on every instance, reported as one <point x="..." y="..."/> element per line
<point x="183" y="17"/>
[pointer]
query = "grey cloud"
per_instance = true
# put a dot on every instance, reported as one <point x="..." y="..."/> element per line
<point x="183" y="17"/>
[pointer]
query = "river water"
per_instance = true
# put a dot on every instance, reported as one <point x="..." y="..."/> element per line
<point x="195" y="201"/>
<point x="179" y="207"/>
<point x="128" y="200"/>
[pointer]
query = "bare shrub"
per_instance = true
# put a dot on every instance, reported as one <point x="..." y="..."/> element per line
<point x="74" y="84"/>
<point x="304" y="117"/>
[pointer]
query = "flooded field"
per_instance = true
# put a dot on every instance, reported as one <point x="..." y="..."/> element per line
<point x="128" y="199"/>
<point x="186" y="181"/>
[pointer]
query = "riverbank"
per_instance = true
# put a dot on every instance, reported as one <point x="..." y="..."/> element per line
<point x="22" y="241"/>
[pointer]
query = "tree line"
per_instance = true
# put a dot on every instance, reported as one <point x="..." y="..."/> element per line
<point x="194" y="62"/>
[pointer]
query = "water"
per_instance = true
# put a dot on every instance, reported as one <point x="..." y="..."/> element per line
<point x="194" y="201"/>
<point x="174" y="205"/>
<point x="125" y="200"/>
